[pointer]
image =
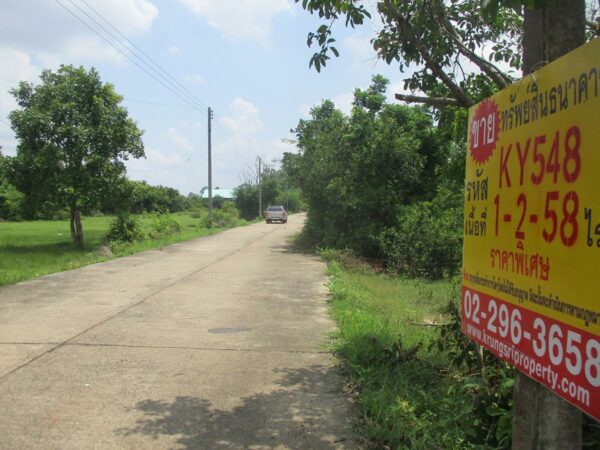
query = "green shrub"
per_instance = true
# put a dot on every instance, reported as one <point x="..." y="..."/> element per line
<point x="125" y="229"/>
<point x="11" y="202"/>
<point x="164" y="225"/>
<point x="416" y="386"/>
<point x="197" y="213"/>
<point x="61" y="214"/>
<point x="222" y="219"/>
<point x="479" y="374"/>
<point x="217" y="202"/>
<point x="427" y="240"/>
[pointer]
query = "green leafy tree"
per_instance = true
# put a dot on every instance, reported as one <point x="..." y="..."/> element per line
<point x="73" y="138"/>
<point x="139" y="197"/>
<point x="246" y="200"/>
<point x="357" y="171"/>
<point x="436" y="37"/>
<point x="11" y="200"/>
<point x="194" y="201"/>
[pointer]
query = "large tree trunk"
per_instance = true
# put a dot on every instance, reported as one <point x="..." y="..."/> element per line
<point x="551" y="32"/>
<point x="76" y="227"/>
<point x="541" y="419"/>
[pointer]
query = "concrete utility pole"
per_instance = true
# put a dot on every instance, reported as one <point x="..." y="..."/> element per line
<point x="259" y="189"/>
<point x="541" y="419"/>
<point x="210" y="115"/>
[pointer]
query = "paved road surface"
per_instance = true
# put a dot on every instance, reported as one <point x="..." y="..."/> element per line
<point x="213" y="343"/>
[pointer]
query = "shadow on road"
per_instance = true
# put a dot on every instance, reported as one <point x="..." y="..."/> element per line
<point x="305" y="410"/>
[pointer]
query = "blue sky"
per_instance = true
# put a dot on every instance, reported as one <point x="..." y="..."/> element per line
<point x="247" y="59"/>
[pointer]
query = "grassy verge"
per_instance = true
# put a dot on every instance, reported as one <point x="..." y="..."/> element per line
<point x="32" y="249"/>
<point x="417" y="381"/>
<point x="411" y="381"/>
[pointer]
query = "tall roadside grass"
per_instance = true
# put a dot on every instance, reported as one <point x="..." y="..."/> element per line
<point x="417" y="384"/>
<point x="32" y="249"/>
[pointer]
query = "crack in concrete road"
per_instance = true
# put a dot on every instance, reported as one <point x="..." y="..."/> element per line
<point x="158" y="347"/>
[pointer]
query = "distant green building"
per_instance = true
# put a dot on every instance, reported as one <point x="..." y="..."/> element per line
<point x="227" y="194"/>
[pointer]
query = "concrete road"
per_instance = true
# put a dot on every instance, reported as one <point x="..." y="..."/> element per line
<point x="214" y="343"/>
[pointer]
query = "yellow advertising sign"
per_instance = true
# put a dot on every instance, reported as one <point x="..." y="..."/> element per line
<point x="531" y="281"/>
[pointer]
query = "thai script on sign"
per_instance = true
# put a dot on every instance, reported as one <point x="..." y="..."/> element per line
<point x="539" y="105"/>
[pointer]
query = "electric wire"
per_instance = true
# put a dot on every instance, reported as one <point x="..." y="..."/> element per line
<point x="148" y="102"/>
<point x="120" y="51"/>
<point x="159" y="80"/>
<point x="167" y="77"/>
<point x="144" y="54"/>
<point x="136" y="55"/>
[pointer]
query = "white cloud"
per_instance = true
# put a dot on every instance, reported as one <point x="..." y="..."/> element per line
<point x="195" y="79"/>
<point x="360" y="48"/>
<point x="16" y="66"/>
<point x="236" y="142"/>
<point x="174" y="50"/>
<point x="179" y="141"/>
<point x="276" y="148"/>
<point x="244" y="120"/>
<point x="240" y="19"/>
<point x="45" y="35"/>
<point x="235" y="157"/>
<point x="159" y="167"/>
<point x="157" y="157"/>
<point x="50" y="33"/>
<point x="343" y="102"/>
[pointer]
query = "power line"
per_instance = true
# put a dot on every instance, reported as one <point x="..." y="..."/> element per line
<point x="119" y="50"/>
<point x="159" y="80"/>
<point x="148" y="102"/>
<point x="144" y="54"/>
<point x="162" y="81"/>
<point x="144" y="58"/>
<point x="166" y="79"/>
<point x="177" y="88"/>
<point x="166" y="105"/>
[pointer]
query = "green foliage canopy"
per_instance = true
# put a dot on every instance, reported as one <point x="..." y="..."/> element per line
<point x="358" y="173"/>
<point x="73" y="138"/>
<point x="435" y="36"/>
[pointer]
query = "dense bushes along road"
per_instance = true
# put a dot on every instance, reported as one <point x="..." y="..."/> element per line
<point x="383" y="181"/>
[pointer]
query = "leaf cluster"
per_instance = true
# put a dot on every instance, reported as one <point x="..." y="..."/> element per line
<point x="73" y="137"/>
<point x="435" y="36"/>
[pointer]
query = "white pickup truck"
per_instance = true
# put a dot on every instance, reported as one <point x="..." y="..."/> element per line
<point x="276" y="213"/>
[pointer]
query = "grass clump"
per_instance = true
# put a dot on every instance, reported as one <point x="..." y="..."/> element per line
<point x="417" y="382"/>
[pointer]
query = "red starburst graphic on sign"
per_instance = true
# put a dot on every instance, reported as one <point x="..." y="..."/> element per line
<point x="484" y="131"/>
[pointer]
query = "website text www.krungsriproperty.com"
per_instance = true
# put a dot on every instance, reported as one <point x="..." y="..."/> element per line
<point x="530" y="366"/>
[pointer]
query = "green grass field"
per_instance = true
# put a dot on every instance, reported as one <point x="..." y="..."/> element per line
<point x="407" y="393"/>
<point x="31" y="249"/>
